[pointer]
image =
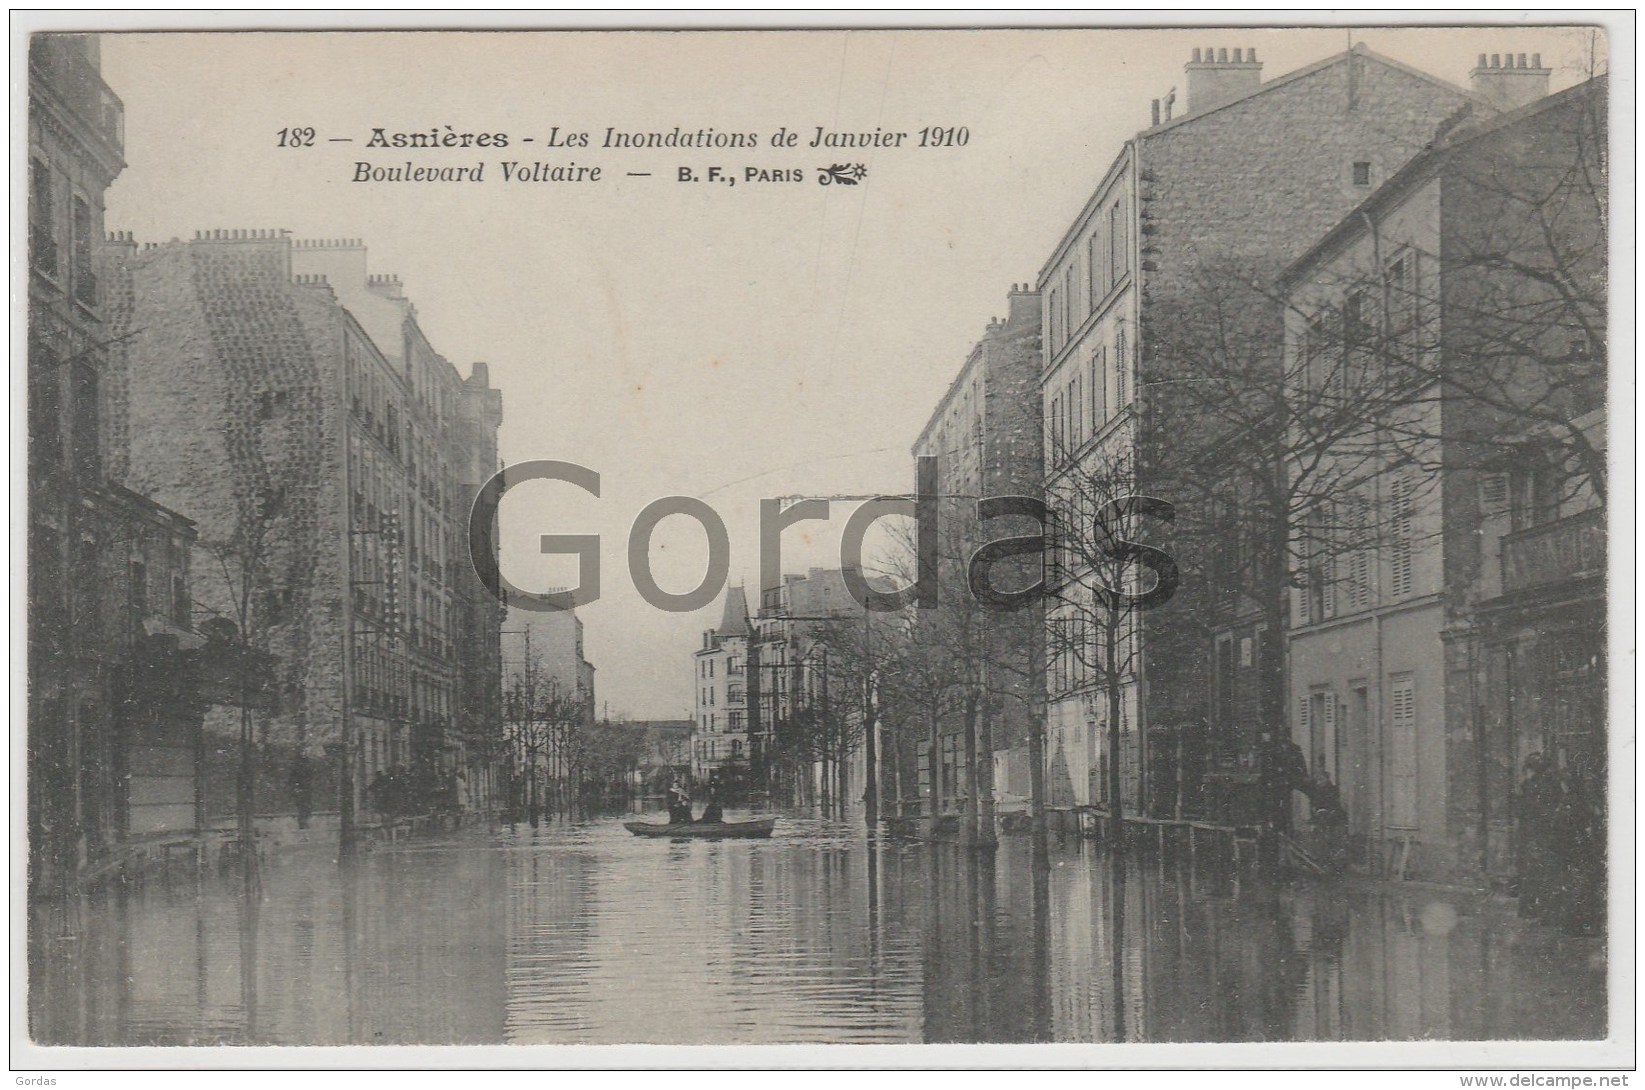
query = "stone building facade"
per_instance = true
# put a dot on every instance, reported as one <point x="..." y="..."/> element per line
<point x="985" y="435"/>
<point x="719" y="742"/>
<point x="478" y="615"/>
<point x="108" y="568"/>
<point x="290" y="403"/>
<point x="805" y="710"/>
<point x="1427" y="664"/>
<point x="1238" y="185"/>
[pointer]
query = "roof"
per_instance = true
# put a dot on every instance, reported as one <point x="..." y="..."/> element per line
<point x="734" y="622"/>
<point x="1465" y="128"/>
<point x="1277" y="82"/>
<point x="1261" y="89"/>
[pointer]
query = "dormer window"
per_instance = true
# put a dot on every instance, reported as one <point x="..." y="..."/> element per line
<point x="1362" y="173"/>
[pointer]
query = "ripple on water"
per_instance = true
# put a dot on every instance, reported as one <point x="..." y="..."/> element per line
<point x="586" y="934"/>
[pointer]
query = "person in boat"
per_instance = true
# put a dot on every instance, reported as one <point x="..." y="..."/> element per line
<point x="712" y="815"/>
<point x="679" y="806"/>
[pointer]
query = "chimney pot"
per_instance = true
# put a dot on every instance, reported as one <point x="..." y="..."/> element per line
<point x="1196" y="57"/>
<point x="1508" y="82"/>
<point x="1216" y="82"/>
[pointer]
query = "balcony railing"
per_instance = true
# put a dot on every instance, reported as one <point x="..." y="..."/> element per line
<point x="61" y="63"/>
<point x="1553" y="553"/>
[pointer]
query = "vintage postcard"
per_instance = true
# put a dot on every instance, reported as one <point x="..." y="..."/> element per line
<point x="1076" y="536"/>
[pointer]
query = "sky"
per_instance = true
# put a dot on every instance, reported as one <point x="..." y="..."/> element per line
<point x="723" y="342"/>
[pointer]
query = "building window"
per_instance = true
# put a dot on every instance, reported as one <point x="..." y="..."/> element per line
<point x="85" y="281"/>
<point x="42" y="215"/>
<point x="1094" y="254"/>
<point x="1117" y="242"/>
<point x="1068" y="299"/>
<point x="1076" y="405"/>
<point x="84" y="421"/>
<point x="180" y="605"/>
<point x="139" y="588"/>
<point x="1315" y="362"/>
<point x="1401" y="530"/>
<point x="1403" y="751"/>
<point x="1099" y="388"/>
<point x="1222" y="681"/>
<point x="1402" y="305"/>
<point x="1362" y="173"/>
<point x="1356" y="339"/>
<point x="1322" y="731"/>
<point x="1056" y="451"/>
<point x="45" y="405"/>
<point x="88" y="583"/>
<point x="1122" y="367"/>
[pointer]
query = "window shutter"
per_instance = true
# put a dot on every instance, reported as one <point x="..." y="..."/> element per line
<point x="1099" y="391"/>
<point x="1121" y="370"/>
<point x="1328" y="747"/>
<point x="1400" y="581"/>
<point x="1403" y="809"/>
<point x="1301" y="595"/>
<point x="1493" y="494"/>
<point x="1304" y="727"/>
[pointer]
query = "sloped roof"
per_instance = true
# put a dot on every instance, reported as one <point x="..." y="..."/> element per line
<point x="734" y="622"/>
<point x="1277" y="82"/>
<point x="1361" y="50"/>
<point x="1464" y="129"/>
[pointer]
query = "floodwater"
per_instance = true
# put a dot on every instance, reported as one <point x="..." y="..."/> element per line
<point x="586" y="935"/>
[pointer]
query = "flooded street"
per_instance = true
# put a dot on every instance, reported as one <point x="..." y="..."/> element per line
<point x="586" y="935"/>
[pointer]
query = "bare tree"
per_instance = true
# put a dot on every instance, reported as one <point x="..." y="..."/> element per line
<point x="964" y="659"/>
<point x="242" y="560"/>
<point x="1298" y="418"/>
<point x="540" y="717"/>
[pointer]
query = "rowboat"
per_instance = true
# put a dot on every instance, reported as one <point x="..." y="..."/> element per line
<point x="745" y="829"/>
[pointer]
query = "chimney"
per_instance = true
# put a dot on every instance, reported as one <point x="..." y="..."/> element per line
<point x="1215" y="78"/>
<point x="481" y="375"/>
<point x="1508" y="82"/>
<point x="1023" y="307"/>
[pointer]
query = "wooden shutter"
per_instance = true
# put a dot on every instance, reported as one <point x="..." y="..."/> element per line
<point x="1122" y="369"/>
<point x="1328" y="748"/>
<point x="1402" y="809"/>
<point x="1099" y="391"/>
<point x="1359" y="582"/>
<point x="1399" y="576"/>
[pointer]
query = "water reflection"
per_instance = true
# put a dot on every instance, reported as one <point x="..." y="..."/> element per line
<point x="587" y="935"/>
